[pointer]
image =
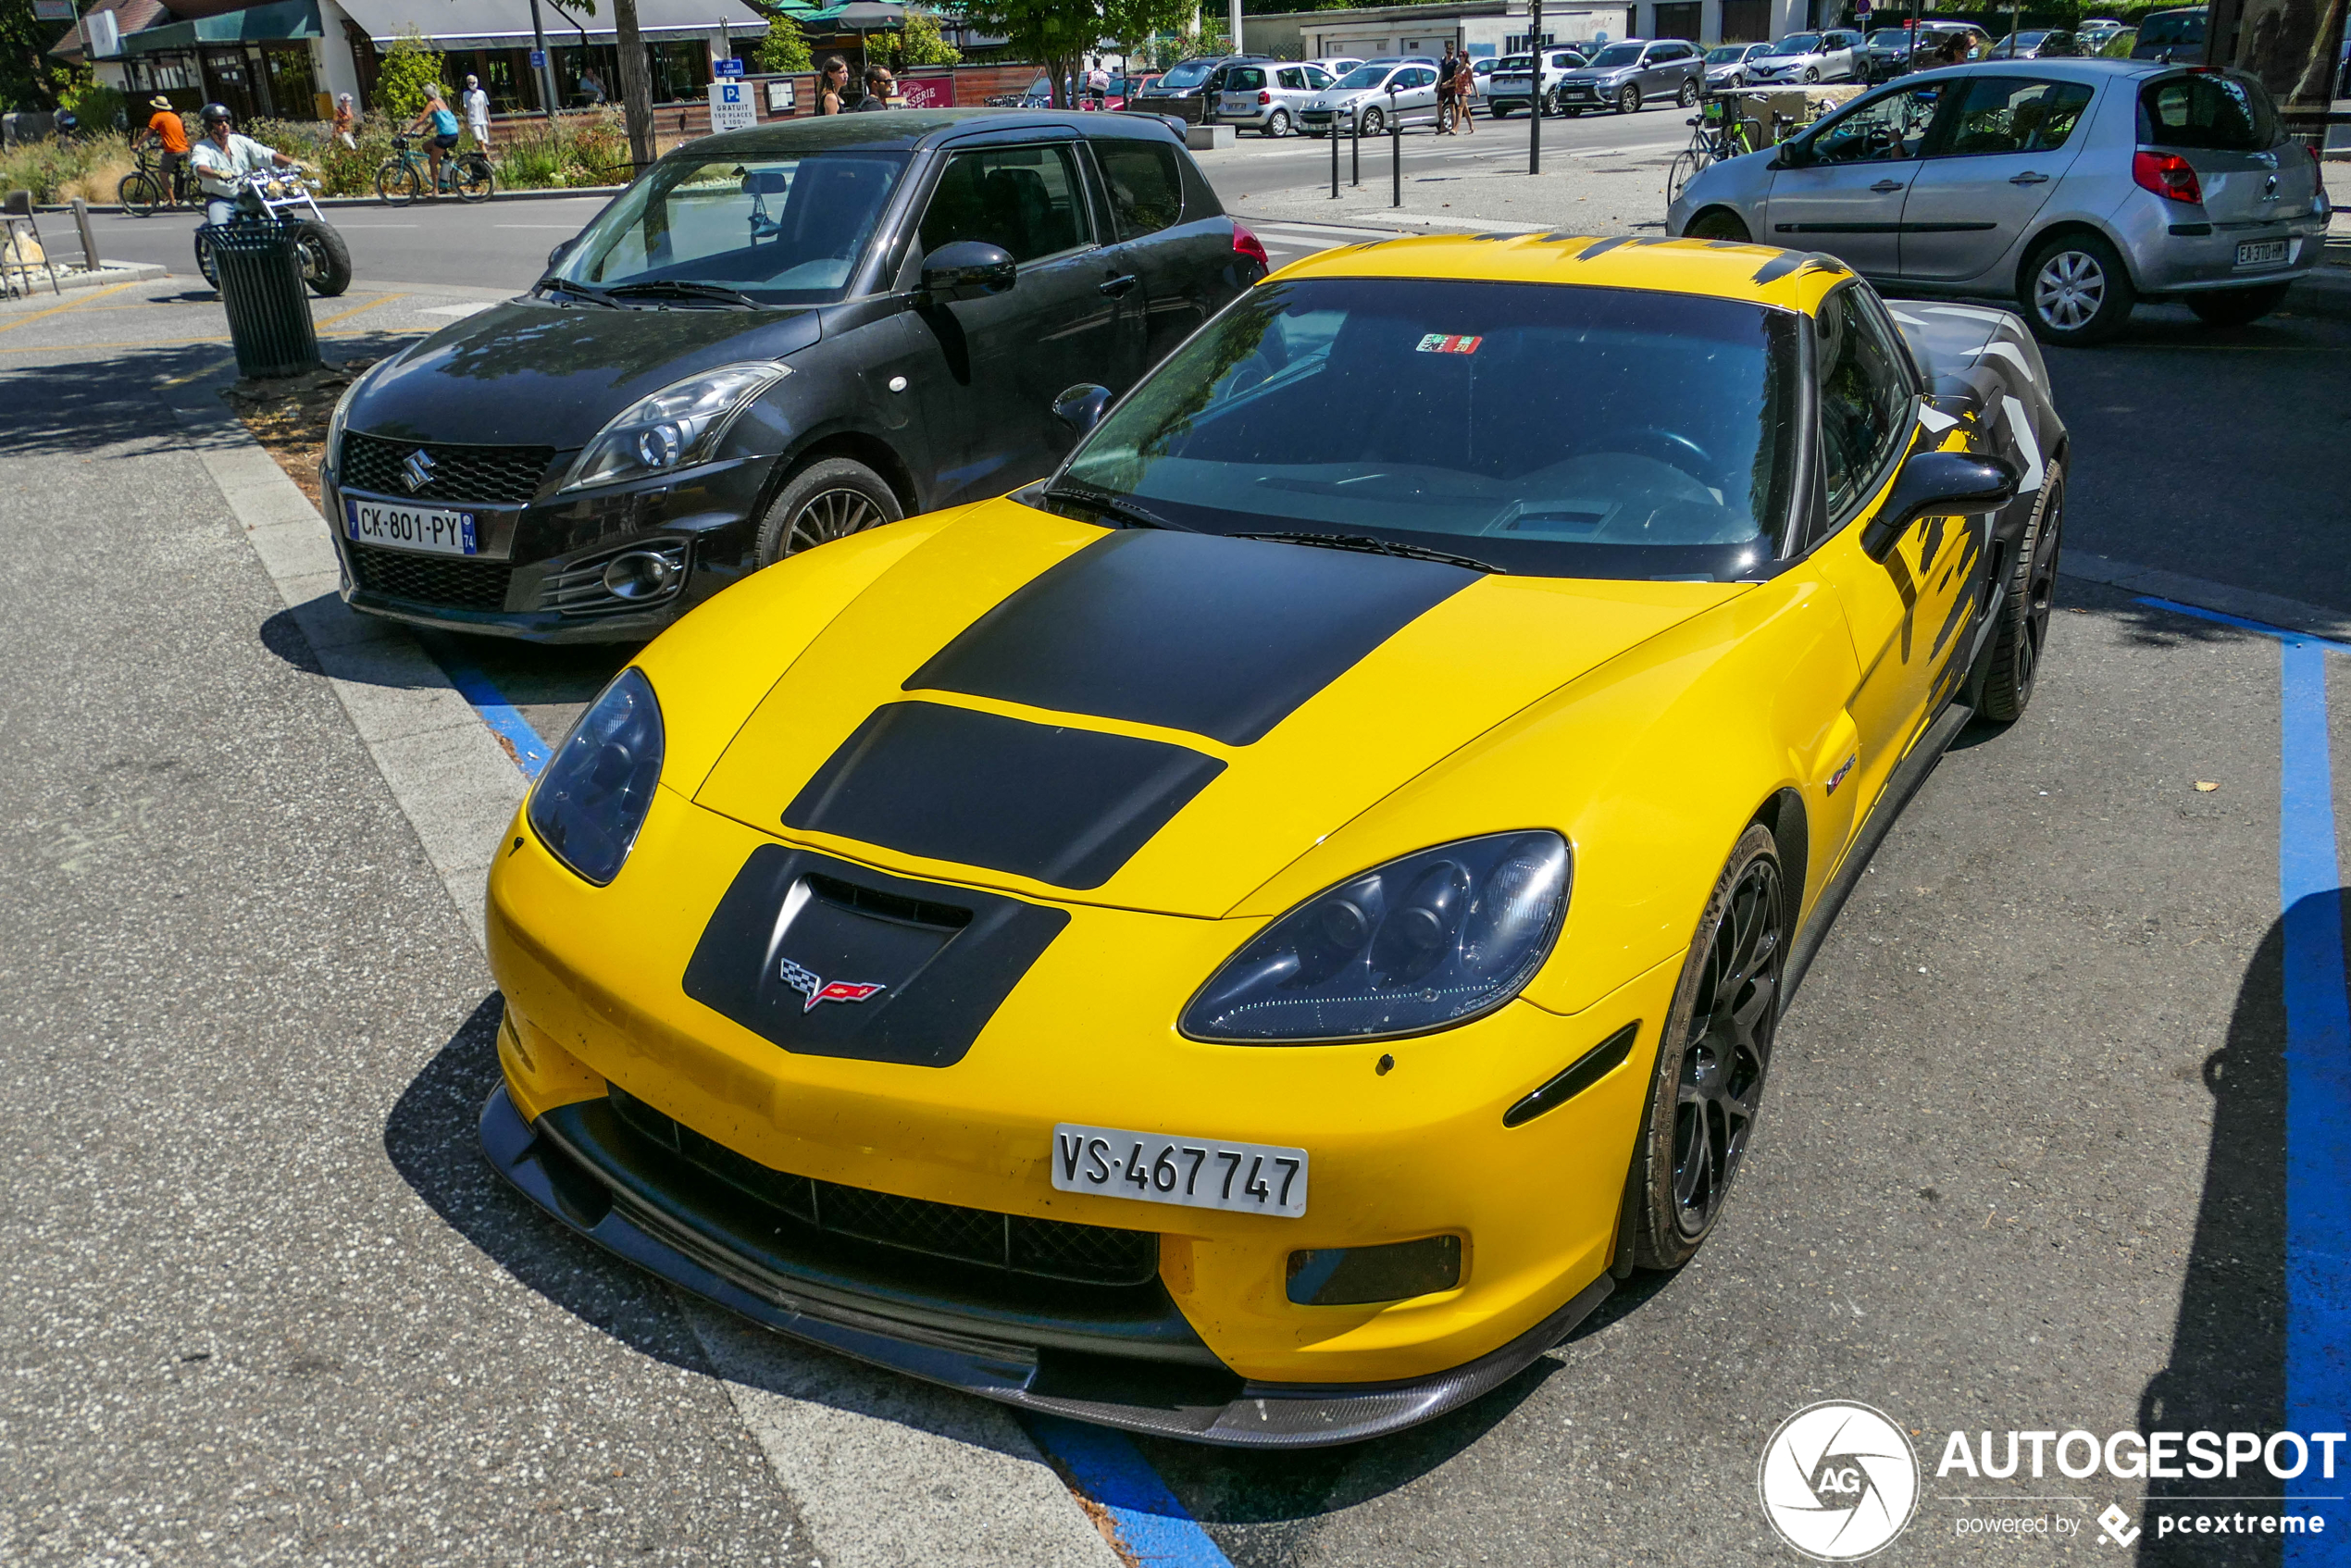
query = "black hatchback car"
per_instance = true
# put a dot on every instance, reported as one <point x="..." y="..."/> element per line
<point x="773" y="338"/>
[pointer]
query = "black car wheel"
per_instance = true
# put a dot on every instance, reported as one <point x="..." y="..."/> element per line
<point x="1628" y="100"/>
<point x="829" y="499"/>
<point x="1551" y="102"/>
<point x="2075" y="292"/>
<point x="1718" y="223"/>
<point x="2237" y="307"/>
<point x="1688" y="98"/>
<point x="1712" y="1059"/>
<point x="2024" y="614"/>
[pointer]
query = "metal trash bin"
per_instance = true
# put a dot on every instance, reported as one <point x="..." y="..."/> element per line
<point x="261" y="287"/>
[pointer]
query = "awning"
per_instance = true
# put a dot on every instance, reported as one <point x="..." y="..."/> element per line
<point x="281" y="22"/>
<point x="857" y="15"/>
<point x="505" y="24"/>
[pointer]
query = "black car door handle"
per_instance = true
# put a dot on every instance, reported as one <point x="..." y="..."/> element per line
<point x="1118" y="286"/>
<point x="2029" y="178"/>
<point x="1885" y="185"/>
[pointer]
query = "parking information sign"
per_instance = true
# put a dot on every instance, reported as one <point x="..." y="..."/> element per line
<point x="727" y="67"/>
<point x="731" y="107"/>
<point x="539" y="60"/>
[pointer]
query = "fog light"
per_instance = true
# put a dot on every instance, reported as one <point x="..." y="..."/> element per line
<point x="1347" y="1277"/>
<point x="640" y="574"/>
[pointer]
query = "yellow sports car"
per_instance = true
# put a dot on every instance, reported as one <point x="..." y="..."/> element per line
<point x="1251" y="936"/>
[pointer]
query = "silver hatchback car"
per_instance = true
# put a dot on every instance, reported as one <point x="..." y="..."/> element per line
<point x="2076" y="187"/>
<point x="1267" y="95"/>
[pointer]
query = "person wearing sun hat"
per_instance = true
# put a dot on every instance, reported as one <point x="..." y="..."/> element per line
<point x="166" y="126"/>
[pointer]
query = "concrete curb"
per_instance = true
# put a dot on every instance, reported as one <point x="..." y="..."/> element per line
<point x="881" y="1469"/>
<point x="104" y="275"/>
<point x="555" y="194"/>
<point x="2244" y="603"/>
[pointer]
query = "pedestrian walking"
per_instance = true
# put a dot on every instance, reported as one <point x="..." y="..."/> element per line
<point x="1098" y="83"/>
<point x="347" y="121"/>
<point x="477" y="106"/>
<point x="1465" y="94"/>
<point x="878" y="90"/>
<point x="833" y="95"/>
<point x="221" y="156"/>
<point x="437" y="114"/>
<point x="167" y="129"/>
<point x="1445" y="90"/>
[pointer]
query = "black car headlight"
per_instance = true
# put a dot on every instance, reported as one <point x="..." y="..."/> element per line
<point x="591" y="800"/>
<point x="1429" y="940"/>
<point x="675" y="427"/>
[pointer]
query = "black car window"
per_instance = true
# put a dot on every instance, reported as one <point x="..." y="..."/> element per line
<point x="785" y="229"/>
<point x="1145" y="182"/>
<point x="2172" y="30"/>
<point x="1865" y="400"/>
<point x="1878" y="129"/>
<point x="2219" y="113"/>
<point x="1025" y="199"/>
<point x="2009" y="114"/>
<point x="1247" y="79"/>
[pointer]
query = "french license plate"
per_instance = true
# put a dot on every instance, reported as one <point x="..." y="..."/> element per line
<point x="1197" y="1173"/>
<point x="2261" y="253"/>
<point x="1237" y="103"/>
<point x="409" y="528"/>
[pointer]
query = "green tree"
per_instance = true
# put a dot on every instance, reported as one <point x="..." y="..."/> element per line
<point x="1059" y="34"/>
<point x="409" y="67"/>
<point x="785" y="48"/>
<point x="921" y="43"/>
<point x="30" y="77"/>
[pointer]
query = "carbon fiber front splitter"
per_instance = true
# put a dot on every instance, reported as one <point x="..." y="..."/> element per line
<point x="1259" y="1416"/>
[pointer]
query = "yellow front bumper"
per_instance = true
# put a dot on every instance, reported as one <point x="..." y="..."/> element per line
<point x="591" y="978"/>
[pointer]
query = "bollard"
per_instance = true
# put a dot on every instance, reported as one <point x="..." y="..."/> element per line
<point x="1355" y="150"/>
<point x="1396" y="161"/>
<point x="261" y="289"/>
<point x="1333" y="157"/>
<point x="82" y="226"/>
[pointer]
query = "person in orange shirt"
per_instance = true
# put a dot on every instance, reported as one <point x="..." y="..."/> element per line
<point x="165" y="126"/>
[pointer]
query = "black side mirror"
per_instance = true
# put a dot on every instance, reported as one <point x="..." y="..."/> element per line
<point x="967" y="270"/>
<point x="560" y="252"/>
<point x="1080" y="407"/>
<point x="1938" y="483"/>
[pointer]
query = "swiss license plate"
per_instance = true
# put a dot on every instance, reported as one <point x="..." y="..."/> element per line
<point x="409" y="528"/>
<point x="1197" y="1173"/>
<point x="2261" y="253"/>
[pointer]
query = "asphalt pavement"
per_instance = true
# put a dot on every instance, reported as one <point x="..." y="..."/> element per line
<point x="2024" y="1165"/>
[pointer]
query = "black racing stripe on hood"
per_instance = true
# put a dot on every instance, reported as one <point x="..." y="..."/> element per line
<point x="944" y="958"/>
<point x="1064" y="806"/>
<point x="1221" y="637"/>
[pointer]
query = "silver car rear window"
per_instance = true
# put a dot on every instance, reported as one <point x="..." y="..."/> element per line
<point x="2228" y="114"/>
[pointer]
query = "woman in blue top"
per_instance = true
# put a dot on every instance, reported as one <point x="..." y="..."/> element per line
<point x="444" y="132"/>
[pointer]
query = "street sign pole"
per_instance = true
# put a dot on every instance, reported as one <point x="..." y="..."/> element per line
<point x="1535" y="90"/>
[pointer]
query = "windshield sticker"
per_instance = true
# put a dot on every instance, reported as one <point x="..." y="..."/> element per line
<point x="1449" y="342"/>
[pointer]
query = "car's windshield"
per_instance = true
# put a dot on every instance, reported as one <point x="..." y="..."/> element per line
<point x="1191" y="73"/>
<point x="1559" y="432"/>
<point x="1366" y="76"/>
<point x="1798" y="43"/>
<point x="1617" y="55"/>
<point x="785" y="228"/>
<point x="2172" y="28"/>
<point x="1514" y="62"/>
<point x="1888" y="38"/>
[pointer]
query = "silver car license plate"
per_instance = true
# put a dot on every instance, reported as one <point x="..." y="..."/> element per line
<point x="1197" y="1173"/>
<point x="2261" y="253"/>
<point x="409" y="528"/>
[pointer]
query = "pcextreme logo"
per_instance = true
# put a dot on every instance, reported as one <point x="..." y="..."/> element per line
<point x="1838" y="1481"/>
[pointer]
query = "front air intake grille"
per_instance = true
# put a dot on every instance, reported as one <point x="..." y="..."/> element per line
<point x="1090" y="1254"/>
<point x="480" y="476"/>
<point x="453" y="580"/>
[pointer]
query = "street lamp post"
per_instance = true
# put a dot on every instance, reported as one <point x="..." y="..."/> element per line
<point x="1534" y="89"/>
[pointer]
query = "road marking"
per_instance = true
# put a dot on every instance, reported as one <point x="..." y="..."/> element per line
<point x="518" y="734"/>
<point x="459" y="312"/>
<point x="1156" y="1528"/>
<point x="2318" y="1053"/>
<point x="70" y="305"/>
<point x="345" y="316"/>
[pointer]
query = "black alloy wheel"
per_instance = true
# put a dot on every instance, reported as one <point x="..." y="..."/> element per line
<point x="1712" y="1058"/>
<point x="2024" y="631"/>
<point x="1628" y="100"/>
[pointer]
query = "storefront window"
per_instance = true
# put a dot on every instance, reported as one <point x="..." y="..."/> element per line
<point x="294" y="93"/>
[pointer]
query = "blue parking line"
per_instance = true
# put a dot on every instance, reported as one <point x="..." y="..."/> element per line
<point x="505" y="721"/>
<point x="2317" y="1068"/>
<point x="1156" y="1529"/>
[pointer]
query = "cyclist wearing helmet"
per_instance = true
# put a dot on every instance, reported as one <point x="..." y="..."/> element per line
<point x="222" y="156"/>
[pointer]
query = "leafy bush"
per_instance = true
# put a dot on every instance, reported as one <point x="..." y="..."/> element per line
<point x="785" y="48"/>
<point x="409" y="67"/>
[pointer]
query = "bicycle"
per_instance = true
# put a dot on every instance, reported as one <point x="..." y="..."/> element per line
<point x="1733" y="136"/>
<point x="402" y="179"/>
<point x="143" y="191"/>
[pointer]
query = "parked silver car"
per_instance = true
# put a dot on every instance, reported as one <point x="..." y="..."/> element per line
<point x="1379" y="94"/>
<point x="1633" y="72"/>
<point x="1726" y="64"/>
<point x="1267" y="98"/>
<point x="2076" y="187"/>
<point x="1808" y="57"/>
<point x="1512" y="87"/>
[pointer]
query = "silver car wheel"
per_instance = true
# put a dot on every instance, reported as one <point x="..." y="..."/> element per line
<point x="2069" y="290"/>
<point x="830" y="515"/>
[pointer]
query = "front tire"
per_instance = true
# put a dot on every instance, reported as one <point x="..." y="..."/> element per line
<point x="1712" y="1059"/>
<point x="140" y="195"/>
<point x="1811" y="76"/>
<point x="1718" y="223"/>
<point x="1373" y="122"/>
<point x="398" y="184"/>
<point x="204" y="264"/>
<point x="1628" y="101"/>
<point x="2024" y="614"/>
<point x="831" y="498"/>
<point x="2237" y="307"/>
<point x="2076" y="292"/>
<point x="1687" y="97"/>
<point x="326" y="260"/>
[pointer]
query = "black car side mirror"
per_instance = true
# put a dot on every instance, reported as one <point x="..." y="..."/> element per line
<point x="1080" y="407"/>
<point x="967" y="270"/>
<point x="1938" y="484"/>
